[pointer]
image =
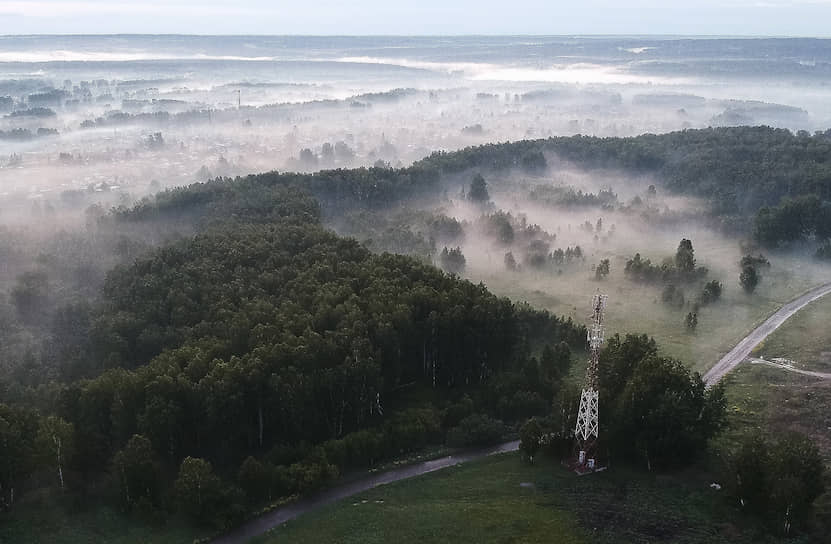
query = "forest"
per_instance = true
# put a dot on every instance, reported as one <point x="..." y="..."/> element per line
<point x="216" y="347"/>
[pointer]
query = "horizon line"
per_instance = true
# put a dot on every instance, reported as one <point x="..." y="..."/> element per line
<point x="460" y="35"/>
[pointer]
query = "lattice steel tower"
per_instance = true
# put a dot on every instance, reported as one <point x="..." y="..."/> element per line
<point x="586" y="429"/>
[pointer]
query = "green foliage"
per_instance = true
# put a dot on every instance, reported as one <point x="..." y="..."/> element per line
<point x="602" y="269"/>
<point x="313" y="472"/>
<point x="755" y="261"/>
<point x="31" y="295"/>
<point x="55" y="443"/>
<point x="510" y="261"/>
<point x="685" y="257"/>
<point x="478" y="189"/>
<point x="659" y="412"/>
<point x="691" y="321"/>
<point x="203" y="497"/>
<point x="793" y="220"/>
<point x="530" y="439"/>
<point x="618" y="359"/>
<point x="499" y="225"/>
<point x="18" y="431"/>
<point x="777" y="480"/>
<point x="642" y="270"/>
<point x="533" y="162"/>
<point x="476" y="430"/>
<point x="749" y="278"/>
<point x="569" y="197"/>
<point x="665" y="415"/>
<point x="711" y="292"/>
<point x="138" y="472"/>
<point x="452" y="260"/>
<point x="680" y="269"/>
<point x="446" y="229"/>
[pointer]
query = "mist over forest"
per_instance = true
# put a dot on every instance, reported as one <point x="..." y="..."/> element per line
<point x="260" y="263"/>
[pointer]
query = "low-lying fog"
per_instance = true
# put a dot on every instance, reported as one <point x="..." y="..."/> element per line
<point x="84" y="117"/>
<point x="87" y="123"/>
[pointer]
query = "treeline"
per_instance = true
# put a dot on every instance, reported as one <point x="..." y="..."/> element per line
<point x="739" y="170"/>
<point x="23" y="134"/>
<point x="680" y="269"/>
<point x="263" y="356"/>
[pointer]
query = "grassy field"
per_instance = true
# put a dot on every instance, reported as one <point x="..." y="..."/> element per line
<point x="503" y="499"/>
<point x="776" y="401"/>
<point x="54" y="522"/>
<point x="763" y="397"/>
<point x="635" y="307"/>
<point x="805" y="338"/>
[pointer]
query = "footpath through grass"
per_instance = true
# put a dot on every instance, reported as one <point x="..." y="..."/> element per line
<point x="503" y="499"/>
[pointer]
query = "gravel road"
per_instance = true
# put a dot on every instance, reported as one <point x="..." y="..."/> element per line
<point x="743" y="348"/>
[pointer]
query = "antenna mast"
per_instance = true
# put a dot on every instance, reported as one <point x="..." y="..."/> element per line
<point x="586" y="430"/>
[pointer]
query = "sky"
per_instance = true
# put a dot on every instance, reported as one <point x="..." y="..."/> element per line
<point x="424" y="17"/>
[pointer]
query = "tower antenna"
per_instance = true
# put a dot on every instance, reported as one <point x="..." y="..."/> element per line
<point x="586" y="430"/>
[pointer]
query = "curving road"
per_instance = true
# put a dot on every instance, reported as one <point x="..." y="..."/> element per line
<point x="260" y="525"/>
<point x="743" y="348"/>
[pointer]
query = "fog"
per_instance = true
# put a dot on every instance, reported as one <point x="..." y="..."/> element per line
<point x="80" y="113"/>
<point x="90" y="123"/>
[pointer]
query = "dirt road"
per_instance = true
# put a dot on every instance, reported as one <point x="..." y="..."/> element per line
<point x="743" y="348"/>
<point x="265" y="522"/>
<point x="789" y="368"/>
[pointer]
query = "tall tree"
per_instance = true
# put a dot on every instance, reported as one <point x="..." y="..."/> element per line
<point x="478" y="189"/>
<point x="685" y="257"/>
<point x="749" y="278"/>
<point x="55" y="440"/>
<point x="138" y="472"/>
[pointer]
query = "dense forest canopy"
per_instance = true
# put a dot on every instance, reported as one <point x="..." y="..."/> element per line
<point x="230" y="338"/>
<point x="256" y="332"/>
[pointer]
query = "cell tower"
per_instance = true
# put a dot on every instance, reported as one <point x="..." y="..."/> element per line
<point x="585" y="431"/>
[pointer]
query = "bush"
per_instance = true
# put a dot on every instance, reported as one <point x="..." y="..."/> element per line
<point x="476" y="430"/>
<point x="204" y="497"/>
<point x="711" y="292"/>
<point x="749" y="279"/>
<point x="312" y="473"/>
<point x="777" y="481"/>
<point x="530" y="439"/>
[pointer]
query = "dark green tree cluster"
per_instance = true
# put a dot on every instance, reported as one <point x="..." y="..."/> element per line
<point x="478" y="189"/>
<point x="749" y="278"/>
<point x="446" y="229"/>
<point x="570" y="197"/>
<point x="691" y="321"/>
<point x="682" y="268"/>
<point x="602" y="269"/>
<point x="710" y="293"/>
<point x="254" y="355"/>
<point x="777" y="480"/>
<point x="283" y="342"/>
<point x="660" y="413"/>
<point x="740" y="170"/>
<point x="794" y="219"/>
<point x="452" y="260"/>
